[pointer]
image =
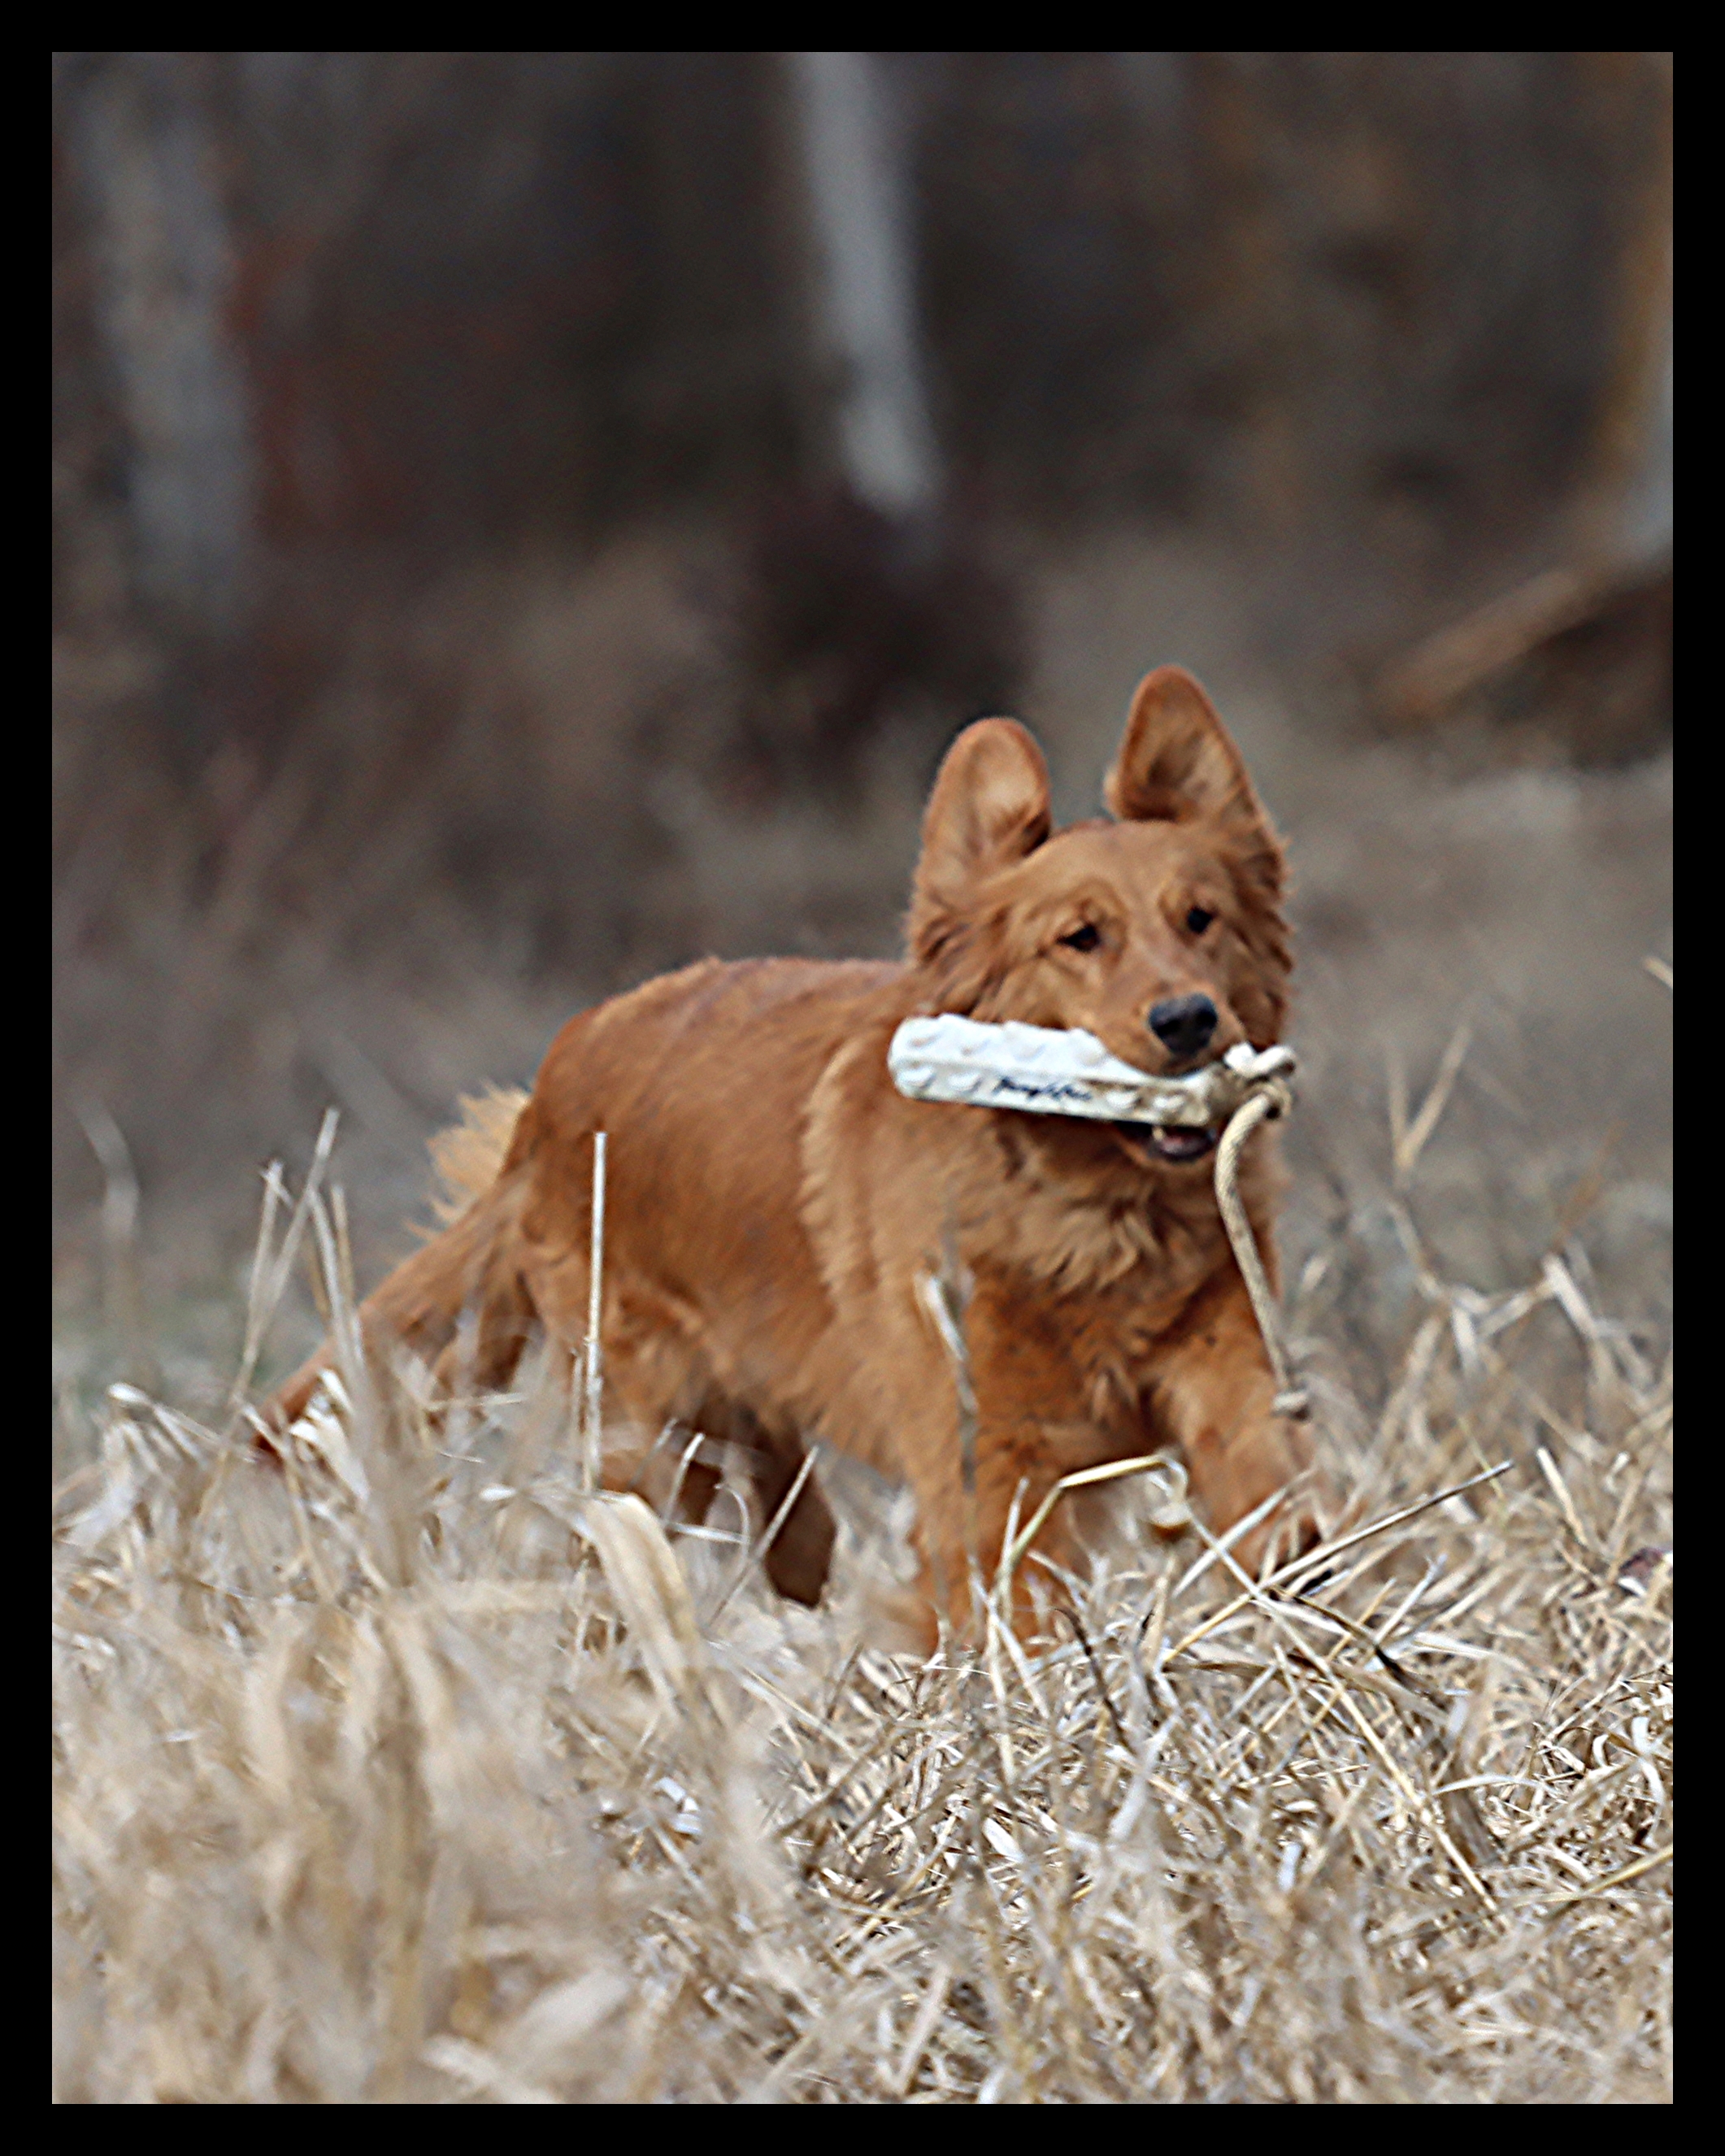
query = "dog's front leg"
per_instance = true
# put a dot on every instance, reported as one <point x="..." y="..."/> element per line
<point x="1213" y="1392"/>
<point x="983" y="1454"/>
<point x="962" y="1526"/>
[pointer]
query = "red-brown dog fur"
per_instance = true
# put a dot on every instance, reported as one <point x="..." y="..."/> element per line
<point x="775" y="1207"/>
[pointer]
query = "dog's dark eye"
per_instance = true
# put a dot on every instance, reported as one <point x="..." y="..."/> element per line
<point x="1197" y="920"/>
<point x="1083" y="939"/>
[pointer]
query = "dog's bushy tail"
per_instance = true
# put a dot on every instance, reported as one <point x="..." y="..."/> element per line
<point x="470" y="1264"/>
<point x="469" y="1154"/>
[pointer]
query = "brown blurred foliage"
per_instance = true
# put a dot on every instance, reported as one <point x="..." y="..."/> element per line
<point x="455" y="575"/>
<point x="477" y="295"/>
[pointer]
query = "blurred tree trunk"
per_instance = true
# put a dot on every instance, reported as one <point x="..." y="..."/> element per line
<point x="864" y="279"/>
<point x="868" y="599"/>
<point x="161" y="245"/>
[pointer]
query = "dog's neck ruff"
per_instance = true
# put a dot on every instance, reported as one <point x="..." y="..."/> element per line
<point x="1043" y="1070"/>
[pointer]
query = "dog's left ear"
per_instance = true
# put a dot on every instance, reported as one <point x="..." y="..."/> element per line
<point x="1177" y="760"/>
<point x="989" y="806"/>
<point x="989" y="809"/>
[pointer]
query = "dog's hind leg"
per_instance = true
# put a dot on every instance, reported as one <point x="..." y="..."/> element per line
<point x="676" y="1474"/>
<point x="800" y="1554"/>
<point x="774" y="1459"/>
<point x="485" y="1358"/>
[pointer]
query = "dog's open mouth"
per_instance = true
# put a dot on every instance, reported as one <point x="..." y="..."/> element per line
<point x="1173" y="1141"/>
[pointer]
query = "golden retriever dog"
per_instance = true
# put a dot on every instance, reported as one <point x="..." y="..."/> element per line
<point x="776" y="1209"/>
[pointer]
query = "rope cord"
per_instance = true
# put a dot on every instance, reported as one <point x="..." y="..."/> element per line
<point x="1269" y="1099"/>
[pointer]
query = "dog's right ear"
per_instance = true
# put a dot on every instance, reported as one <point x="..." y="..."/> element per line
<point x="990" y="807"/>
<point x="1176" y="759"/>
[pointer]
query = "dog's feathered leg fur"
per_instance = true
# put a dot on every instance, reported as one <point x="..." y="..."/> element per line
<point x="472" y="1264"/>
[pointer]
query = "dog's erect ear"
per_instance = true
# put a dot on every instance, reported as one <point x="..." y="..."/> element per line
<point x="989" y="807"/>
<point x="990" y="804"/>
<point x="1177" y="760"/>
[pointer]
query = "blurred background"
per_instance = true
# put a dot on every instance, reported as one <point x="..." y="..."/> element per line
<point x="522" y="520"/>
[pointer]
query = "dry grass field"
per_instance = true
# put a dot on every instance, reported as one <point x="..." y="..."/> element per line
<point x="420" y="1775"/>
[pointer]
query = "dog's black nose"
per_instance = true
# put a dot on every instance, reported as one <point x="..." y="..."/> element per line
<point x="1183" y="1025"/>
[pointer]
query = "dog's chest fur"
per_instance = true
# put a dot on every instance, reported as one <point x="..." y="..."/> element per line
<point x="1053" y="1229"/>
